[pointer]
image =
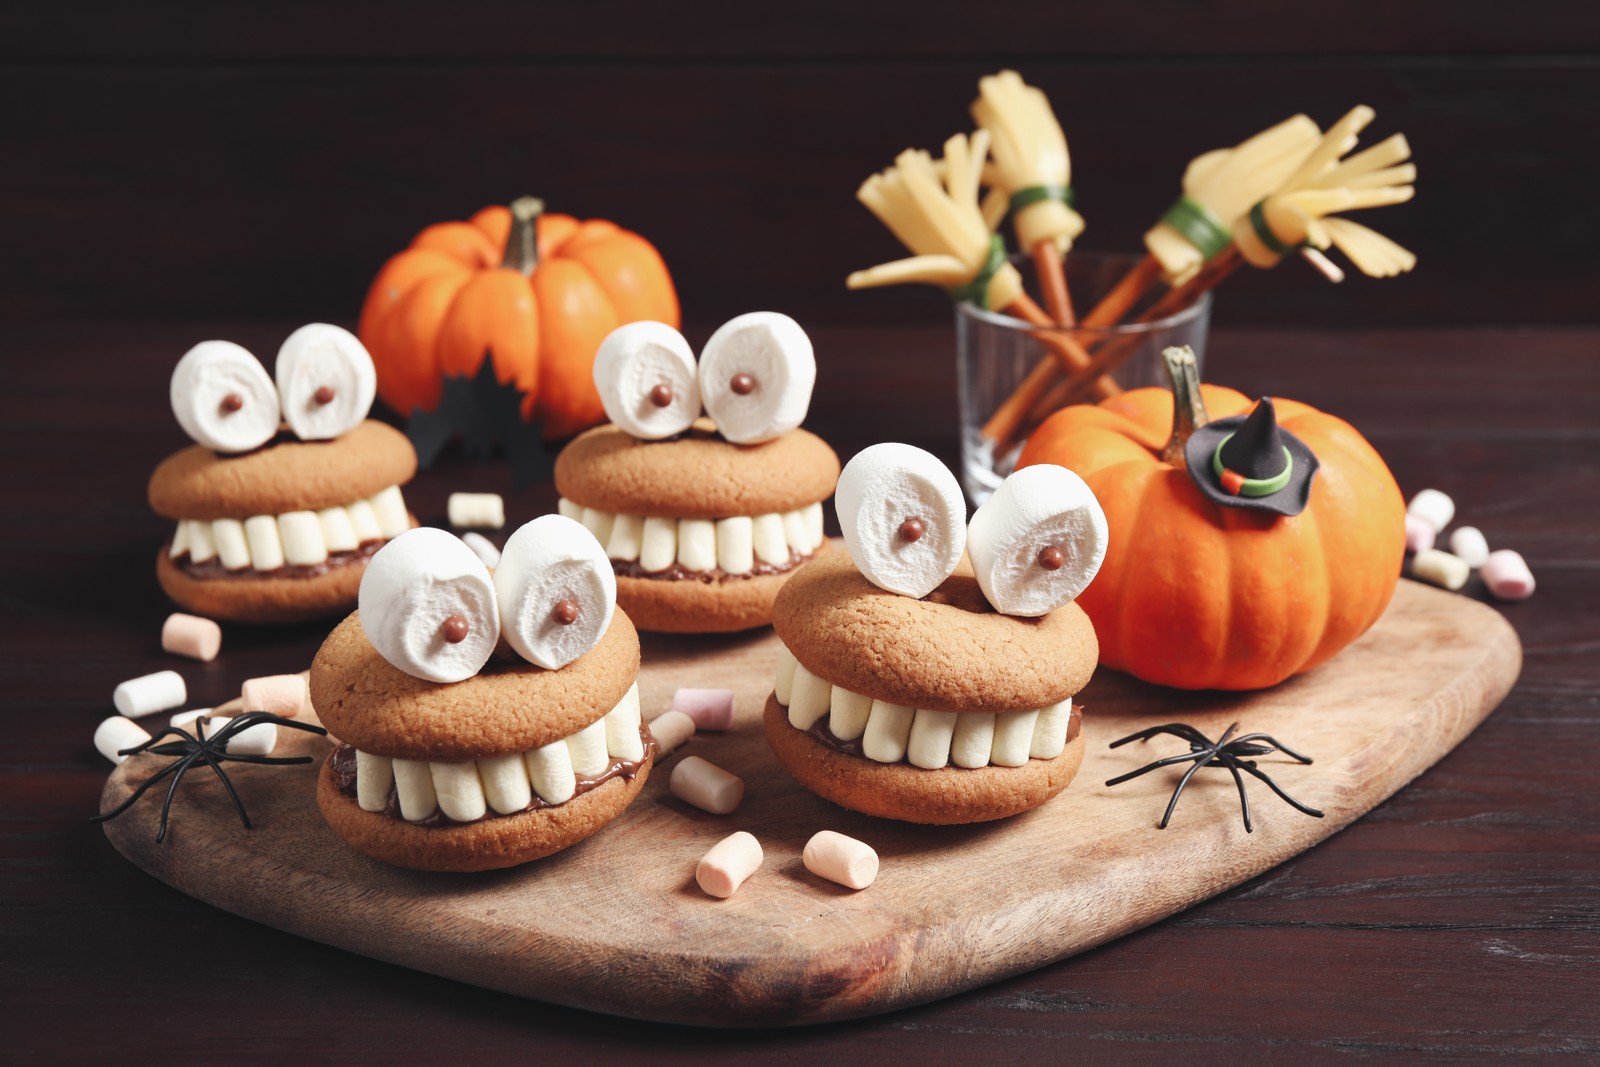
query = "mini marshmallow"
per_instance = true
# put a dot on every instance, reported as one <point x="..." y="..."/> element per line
<point x="301" y="534"/>
<point x="671" y="729"/>
<point x="257" y="740"/>
<point x="233" y="548"/>
<point x="326" y="381"/>
<point x="484" y="510"/>
<point x="711" y="709"/>
<point x="428" y="606"/>
<point x="505" y="782"/>
<point x="973" y="741"/>
<point x="374" y="776"/>
<point x="570" y="509"/>
<point x="808" y="698"/>
<point x="600" y="523"/>
<point x="192" y="636"/>
<point x="1420" y="534"/>
<point x="1013" y="737"/>
<point x="706" y="786"/>
<point x="550" y="772"/>
<point x="280" y="694"/>
<point x="645" y="374"/>
<point x="413" y="786"/>
<point x="622" y="727"/>
<point x="1441" y="568"/>
<point x="389" y="508"/>
<point x="888" y="731"/>
<point x="266" y="546"/>
<point x="483" y="548"/>
<point x="223" y="398"/>
<point x="150" y="693"/>
<point x="847" y="713"/>
<point x="557" y="591"/>
<point x="735" y="545"/>
<point x="1469" y="543"/>
<point x="928" y="744"/>
<point x="116" y="734"/>
<point x="627" y="538"/>
<point x="202" y="545"/>
<point x="658" y="544"/>
<point x="756" y="376"/>
<point x="831" y="855"/>
<point x="1038" y="541"/>
<point x="725" y="867"/>
<point x="184" y="719"/>
<point x="903" y="518"/>
<point x="459" y="790"/>
<point x="1434" y="508"/>
<point x="338" y="533"/>
<point x="697" y="544"/>
<point x="364" y="521"/>
<point x="1506" y="574"/>
<point x="768" y="539"/>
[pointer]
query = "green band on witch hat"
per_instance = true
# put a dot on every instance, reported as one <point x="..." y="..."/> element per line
<point x="1252" y="487"/>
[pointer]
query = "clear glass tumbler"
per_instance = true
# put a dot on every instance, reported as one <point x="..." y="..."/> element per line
<point x="995" y="353"/>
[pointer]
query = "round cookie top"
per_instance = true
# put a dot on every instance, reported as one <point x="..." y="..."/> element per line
<point x="949" y="651"/>
<point x="197" y="483"/>
<point x="697" y="475"/>
<point x="508" y="707"/>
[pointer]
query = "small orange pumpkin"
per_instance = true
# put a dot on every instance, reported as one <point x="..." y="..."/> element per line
<point x="536" y="293"/>
<point x="1200" y="596"/>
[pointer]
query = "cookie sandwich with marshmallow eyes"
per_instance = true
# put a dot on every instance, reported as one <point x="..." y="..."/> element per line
<point x="288" y="489"/>
<point x="703" y="519"/>
<point x="484" y="720"/>
<point x="930" y="676"/>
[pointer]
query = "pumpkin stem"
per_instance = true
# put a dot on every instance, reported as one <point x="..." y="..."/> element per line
<point x="522" y="246"/>
<point x="1188" y="406"/>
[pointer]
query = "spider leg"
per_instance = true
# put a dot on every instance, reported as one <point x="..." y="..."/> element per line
<point x="231" y="758"/>
<point x="1250" y="768"/>
<point x="149" y="746"/>
<point x="144" y="787"/>
<point x="182" y="768"/>
<point x="1158" y="764"/>
<point x="1176" y="729"/>
<point x="1232" y="764"/>
<point x="1178" y="792"/>
<point x="238" y="804"/>
<point x="1279" y="745"/>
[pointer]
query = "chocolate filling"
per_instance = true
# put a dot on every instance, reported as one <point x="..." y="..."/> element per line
<point x="679" y="573"/>
<point x="213" y="568"/>
<point x="343" y="765"/>
<point x="821" y="733"/>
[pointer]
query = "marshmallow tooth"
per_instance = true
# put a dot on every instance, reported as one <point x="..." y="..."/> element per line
<point x="326" y="381"/>
<point x="557" y="591"/>
<point x="1038" y="541"/>
<point x="645" y="374"/>
<point x="223" y="398"/>
<point x="756" y="376"/>
<point x="903" y="517"/>
<point x="428" y="606"/>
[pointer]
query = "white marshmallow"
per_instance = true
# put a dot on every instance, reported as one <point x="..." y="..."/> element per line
<point x="588" y="749"/>
<point x="783" y="685"/>
<point x="797" y="532"/>
<point x="928" y="745"/>
<point x="847" y="713"/>
<point x="202" y="546"/>
<point x="413" y="784"/>
<point x="266" y="547"/>
<point x="1433" y="507"/>
<point x="364" y="521"/>
<point x="233" y="548"/>
<point x="671" y="730"/>
<point x="599" y="523"/>
<point x="485" y="510"/>
<point x="550" y="771"/>
<point x="180" y="539"/>
<point x="879" y="490"/>
<point x="888" y="730"/>
<point x="622" y="727"/>
<point x="632" y="363"/>
<point x="569" y="509"/>
<point x="1034" y="510"/>
<point x="483" y="548"/>
<point x="723" y="869"/>
<point x="505" y="783"/>
<point x="697" y="544"/>
<point x="257" y="740"/>
<point x="374" y="776"/>
<point x="1050" y="730"/>
<point x="658" y="544"/>
<point x="627" y="538"/>
<point x="389" y="508"/>
<point x="776" y="354"/>
<point x="1441" y="568"/>
<point x="185" y="719"/>
<point x="192" y="636"/>
<point x="814" y="527"/>
<point x="459" y="791"/>
<point x="411" y="587"/>
<point x="851" y="863"/>
<point x="150" y="693"/>
<point x="117" y="733"/>
<point x="301" y="533"/>
<point x="1420" y="534"/>
<point x="706" y="786"/>
<point x="548" y="564"/>
<point x="736" y="545"/>
<point x="1013" y="737"/>
<point x="973" y="741"/>
<point x="321" y="356"/>
<point x="212" y="376"/>
<point x="767" y="537"/>
<point x="808" y="698"/>
<point x="337" y="532"/>
<point x="1469" y="543"/>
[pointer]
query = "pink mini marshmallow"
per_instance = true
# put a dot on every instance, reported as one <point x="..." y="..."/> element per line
<point x="706" y="786"/>
<point x="192" y="636"/>
<point x="671" y="730"/>
<point x="725" y="867"/>
<point x="1506" y="574"/>
<point x="711" y="709"/>
<point x="1420" y="534"/>
<point x="281" y="694"/>
<point x="851" y="863"/>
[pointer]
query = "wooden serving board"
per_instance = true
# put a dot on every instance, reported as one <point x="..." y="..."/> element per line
<point x="617" y="924"/>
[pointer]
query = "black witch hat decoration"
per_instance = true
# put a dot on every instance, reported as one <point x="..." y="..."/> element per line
<point x="1249" y="461"/>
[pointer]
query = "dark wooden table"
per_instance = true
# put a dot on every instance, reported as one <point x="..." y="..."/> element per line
<point x="1459" y="920"/>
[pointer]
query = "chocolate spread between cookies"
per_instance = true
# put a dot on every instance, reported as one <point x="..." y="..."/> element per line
<point x="213" y="568"/>
<point x="819" y="731"/>
<point x="678" y="573"/>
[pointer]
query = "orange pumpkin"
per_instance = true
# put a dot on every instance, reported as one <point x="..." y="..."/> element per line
<point x="536" y="293"/>
<point x="1200" y="596"/>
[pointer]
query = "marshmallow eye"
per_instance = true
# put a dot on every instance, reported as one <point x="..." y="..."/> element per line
<point x="223" y="398"/>
<point x="428" y="606"/>
<point x="756" y="375"/>
<point x="326" y="381"/>
<point x="645" y="375"/>
<point x="557" y="591"/>
<point x="903" y="516"/>
<point x="1038" y="541"/>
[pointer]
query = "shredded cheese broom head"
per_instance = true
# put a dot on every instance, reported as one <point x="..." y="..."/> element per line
<point x="1030" y="161"/>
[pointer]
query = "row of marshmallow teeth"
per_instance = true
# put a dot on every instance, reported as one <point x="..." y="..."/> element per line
<point x="298" y="538"/>
<point x="734" y="545"/>
<point x="890" y="733"/>
<point x="466" y="791"/>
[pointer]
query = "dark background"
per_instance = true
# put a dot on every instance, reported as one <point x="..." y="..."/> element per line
<point x="193" y="159"/>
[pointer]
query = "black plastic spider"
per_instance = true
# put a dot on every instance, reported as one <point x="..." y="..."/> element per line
<point x="1231" y="752"/>
<point x="212" y="750"/>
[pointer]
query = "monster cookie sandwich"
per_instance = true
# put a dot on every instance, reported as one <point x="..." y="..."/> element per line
<point x="922" y="685"/>
<point x="288" y="490"/>
<point x="703" y="519"/>
<point x="454" y="757"/>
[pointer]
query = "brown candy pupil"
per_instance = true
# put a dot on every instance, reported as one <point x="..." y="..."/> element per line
<point x="912" y="529"/>
<point x="661" y="395"/>
<point x="455" y="629"/>
<point x="1051" y="558"/>
<point x="323" y="395"/>
<point x="231" y="403"/>
<point x="566" y="612"/>
<point x="743" y="384"/>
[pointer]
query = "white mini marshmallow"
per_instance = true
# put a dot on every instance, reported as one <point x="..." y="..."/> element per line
<point x="233" y="547"/>
<point x="364" y="521"/>
<point x="658" y="544"/>
<point x="389" y="508"/>
<point x="459" y="790"/>
<point x="257" y="740"/>
<point x="1433" y="507"/>
<point x="845" y="860"/>
<point x="266" y="545"/>
<point x="150" y="693"/>
<point x="117" y="733"/>
<point x="1050" y="730"/>
<point x="768" y="539"/>
<point x="413" y="785"/>
<point x="847" y="713"/>
<point x="697" y="544"/>
<point x="723" y="869"/>
<point x="627" y="538"/>
<point x="973" y="741"/>
<point x="640" y="364"/>
<point x="706" y="786"/>
<point x="549" y="565"/>
<point x="416" y="589"/>
<point x="550" y="772"/>
<point x="337" y="531"/>
<point x="775" y="355"/>
<point x="483" y="548"/>
<point x="880" y="491"/>
<point x="671" y="730"/>
<point x="505" y="782"/>
<point x="1441" y="568"/>
<point x="1469" y="543"/>
<point x="783" y="683"/>
<point x="301" y="534"/>
<point x="1420" y="534"/>
<point x="202" y="546"/>
<point x="928" y="745"/>
<point x="484" y="510"/>
<point x="1037" y="510"/>
<point x="374" y="777"/>
<point x="1013" y="737"/>
<point x="600" y="523"/>
<point x="570" y="509"/>
<point x="587" y="747"/>
<point x="223" y="398"/>
<point x="622" y="727"/>
<point x="888" y="731"/>
<point x="808" y="698"/>
<point x="736" y="545"/>
<point x="326" y="381"/>
<point x="192" y="636"/>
